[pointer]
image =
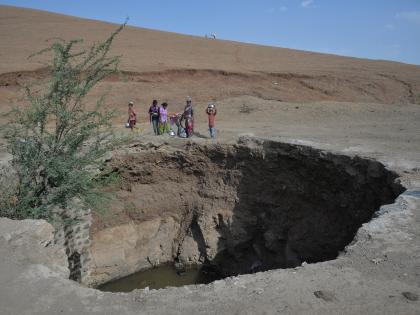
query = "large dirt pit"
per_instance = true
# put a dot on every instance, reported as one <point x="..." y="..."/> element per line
<point x="234" y="209"/>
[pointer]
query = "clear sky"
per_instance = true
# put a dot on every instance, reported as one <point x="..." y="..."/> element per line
<point x="376" y="29"/>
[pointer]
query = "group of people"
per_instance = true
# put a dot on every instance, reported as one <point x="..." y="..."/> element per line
<point x="162" y="123"/>
<point x="159" y="118"/>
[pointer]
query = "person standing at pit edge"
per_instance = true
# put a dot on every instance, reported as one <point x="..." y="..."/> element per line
<point x="163" y="119"/>
<point x="188" y="117"/>
<point x="132" y="116"/>
<point x="154" y="117"/>
<point x="211" y="113"/>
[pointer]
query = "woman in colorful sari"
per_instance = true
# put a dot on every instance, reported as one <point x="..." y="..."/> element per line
<point x="188" y="117"/>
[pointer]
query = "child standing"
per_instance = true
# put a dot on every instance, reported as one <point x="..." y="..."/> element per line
<point x="163" y="119"/>
<point x="132" y="116"/>
<point x="211" y="112"/>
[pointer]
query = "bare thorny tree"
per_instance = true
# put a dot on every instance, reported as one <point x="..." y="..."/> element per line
<point x="56" y="138"/>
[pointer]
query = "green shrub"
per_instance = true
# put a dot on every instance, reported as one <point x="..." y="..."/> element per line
<point x="57" y="140"/>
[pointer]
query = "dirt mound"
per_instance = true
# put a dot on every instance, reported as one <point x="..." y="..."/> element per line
<point x="172" y="85"/>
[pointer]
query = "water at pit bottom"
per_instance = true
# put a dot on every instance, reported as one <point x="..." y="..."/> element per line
<point x="157" y="278"/>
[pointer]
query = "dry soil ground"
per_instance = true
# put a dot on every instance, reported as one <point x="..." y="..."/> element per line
<point x="346" y="105"/>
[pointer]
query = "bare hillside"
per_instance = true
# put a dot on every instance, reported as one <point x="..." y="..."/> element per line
<point x="169" y="66"/>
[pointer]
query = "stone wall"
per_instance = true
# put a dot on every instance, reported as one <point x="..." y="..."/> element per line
<point x="74" y="236"/>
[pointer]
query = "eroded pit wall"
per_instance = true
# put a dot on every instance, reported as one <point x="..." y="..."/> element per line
<point x="256" y="205"/>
